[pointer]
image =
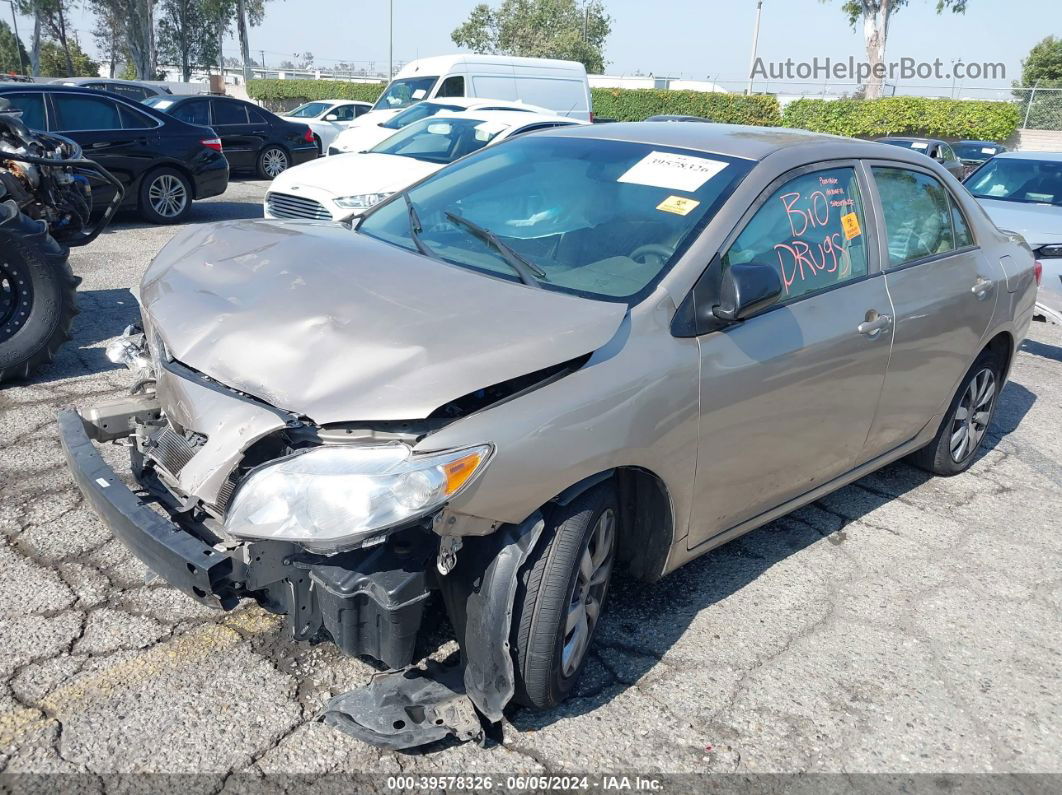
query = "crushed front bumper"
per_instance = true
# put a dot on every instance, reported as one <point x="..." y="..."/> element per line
<point x="369" y="602"/>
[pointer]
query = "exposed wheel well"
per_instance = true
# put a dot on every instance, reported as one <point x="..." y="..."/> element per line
<point x="646" y="524"/>
<point x="1002" y="345"/>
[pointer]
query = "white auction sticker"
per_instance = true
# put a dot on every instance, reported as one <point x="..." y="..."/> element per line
<point x="919" y="145"/>
<point x="671" y="171"/>
<point x="987" y="150"/>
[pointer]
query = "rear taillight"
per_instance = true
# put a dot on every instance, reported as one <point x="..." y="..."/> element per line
<point x="1038" y="272"/>
<point x="591" y="117"/>
<point x="212" y="143"/>
<point x="308" y="136"/>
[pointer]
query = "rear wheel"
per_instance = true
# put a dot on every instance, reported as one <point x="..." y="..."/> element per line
<point x="165" y="197"/>
<point x="272" y="162"/>
<point x="37" y="298"/>
<point x="560" y="596"/>
<point x="955" y="446"/>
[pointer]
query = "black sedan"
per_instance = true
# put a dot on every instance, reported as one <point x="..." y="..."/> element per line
<point x="163" y="163"/>
<point x="938" y="150"/>
<point x="254" y="139"/>
<point x="974" y="153"/>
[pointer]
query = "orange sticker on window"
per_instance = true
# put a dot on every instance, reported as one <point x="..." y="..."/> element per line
<point x="850" y="224"/>
<point x="678" y="205"/>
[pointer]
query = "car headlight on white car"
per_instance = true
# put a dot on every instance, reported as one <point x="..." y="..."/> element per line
<point x="362" y="201"/>
<point x="335" y="497"/>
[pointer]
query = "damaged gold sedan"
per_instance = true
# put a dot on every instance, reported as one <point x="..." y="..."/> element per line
<point x="575" y="351"/>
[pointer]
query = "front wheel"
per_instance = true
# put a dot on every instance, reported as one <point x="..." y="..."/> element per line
<point x="165" y="197"/>
<point x="272" y="162"/>
<point x="955" y="446"/>
<point x="560" y="594"/>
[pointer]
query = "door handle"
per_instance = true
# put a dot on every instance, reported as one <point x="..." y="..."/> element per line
<point x="982" y="287"/>
<point x="874" y="324"/>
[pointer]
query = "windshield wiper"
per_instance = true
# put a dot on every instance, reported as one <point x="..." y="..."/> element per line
<point x="415" y="229"/>
<point x="528" y="271"/>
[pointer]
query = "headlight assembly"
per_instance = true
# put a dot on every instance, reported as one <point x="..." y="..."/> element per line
<point x="362" y="201"/>
<point x="335" y="497"/>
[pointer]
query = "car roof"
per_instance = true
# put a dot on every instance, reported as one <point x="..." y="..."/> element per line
<point x="1052" y="157"/>
<point x="741" y="141"/>
<point x="978" y="143"/>
<point x="331" y="102"/>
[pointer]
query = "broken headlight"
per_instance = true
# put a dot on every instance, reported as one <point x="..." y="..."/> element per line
<point x="336" y="497"/>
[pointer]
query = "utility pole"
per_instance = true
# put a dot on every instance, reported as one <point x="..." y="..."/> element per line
<point x="586" y="23"/>
<point x="755" y="44"/>
<point x="1028" y="108"/>
<point x="391" y="40"/>
<point x="262" y="53"/>
<point x="18" y="41"/>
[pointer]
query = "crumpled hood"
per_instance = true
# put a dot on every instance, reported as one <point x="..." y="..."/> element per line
<point x="354" y="174"/>
<point x="316" y="319"/>
<point x="1039" y="224"/>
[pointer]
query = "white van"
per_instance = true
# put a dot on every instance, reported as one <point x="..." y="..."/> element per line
<point x="559" y="86"/>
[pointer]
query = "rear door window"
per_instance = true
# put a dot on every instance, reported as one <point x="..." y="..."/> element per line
<point x="32" y="107"/>
<point x="78" y="112"/>
<point x="919" y="215"/>
<point x="134" y="119"/>
<point x="811" y="230"/>
<point x="228" y="112"/>
<point x="195" y="112"/>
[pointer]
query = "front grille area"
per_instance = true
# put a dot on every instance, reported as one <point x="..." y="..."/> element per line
<point x="284" y="205"/>
<point x="170" y="450"/>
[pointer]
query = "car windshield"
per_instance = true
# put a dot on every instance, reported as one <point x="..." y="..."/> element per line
<point x="441" y="140"/>
<point x="311" y="110"/>
<point x="1018" y="180"/>
<point x="421" y="110"/>
<point x="602" y="219"/>
<point x="403" y="93"/>
<point x="976" y="151"/>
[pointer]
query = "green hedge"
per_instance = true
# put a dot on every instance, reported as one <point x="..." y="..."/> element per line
<point x="286" y="94"/>
<point x="937" y="118"/>
<point x="636" y="104"/>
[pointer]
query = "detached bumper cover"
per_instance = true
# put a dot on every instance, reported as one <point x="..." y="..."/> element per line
<point x="177" y="556"/>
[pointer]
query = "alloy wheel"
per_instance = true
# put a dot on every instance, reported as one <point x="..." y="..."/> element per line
<point x="274" y="161"/>
<point x="584" y="608"/>
<point x="167" y="195"/>
<point x="971" y="418"/>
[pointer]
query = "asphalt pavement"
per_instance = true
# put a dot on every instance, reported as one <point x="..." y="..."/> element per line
<point x="904" y="624"/>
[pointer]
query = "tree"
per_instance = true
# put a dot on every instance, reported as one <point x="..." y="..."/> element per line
<point x="137" y="21"/>
<point x="539" y="29"/>
<point x="218" y="15"/>
<point x="13" y="56"/>
<point x="109" y="34"/>
<point x="1043" y="64"/>
<point x="876" y="15"/>
<point x="49" y="17"/>
<point x="68" y="61"/>
<point x="248" y="12"/>
<point x="184" y="36"/>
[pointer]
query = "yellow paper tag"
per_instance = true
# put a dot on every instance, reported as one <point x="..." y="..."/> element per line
<point x="850" y="224"/>
<point x="678" y="205"/>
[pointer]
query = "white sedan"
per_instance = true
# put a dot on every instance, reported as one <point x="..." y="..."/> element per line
<point x="327" y="118"/>
<point x="333" y="188"/>
<point x="378" y="126"/>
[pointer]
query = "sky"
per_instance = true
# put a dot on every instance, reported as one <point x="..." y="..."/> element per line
<point x="693" y="39"/>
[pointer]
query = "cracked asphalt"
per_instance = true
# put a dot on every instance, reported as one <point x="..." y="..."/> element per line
<point x="901" y="625"/>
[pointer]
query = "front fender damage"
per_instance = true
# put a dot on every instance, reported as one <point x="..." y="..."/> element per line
<point x="414" y="707"/>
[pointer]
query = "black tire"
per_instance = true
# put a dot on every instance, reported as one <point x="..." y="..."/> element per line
<point x="37" y="298"/>
<point x="266" y="158"/>
<point x="546" y="592"/>
<point x="320" y="145"/>
<point x="939" y="457"/>
<point x="165" y="197"/>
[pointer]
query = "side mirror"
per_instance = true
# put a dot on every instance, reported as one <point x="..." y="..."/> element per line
<point x="745" y="290"/>
<point x="331" y="117"/>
